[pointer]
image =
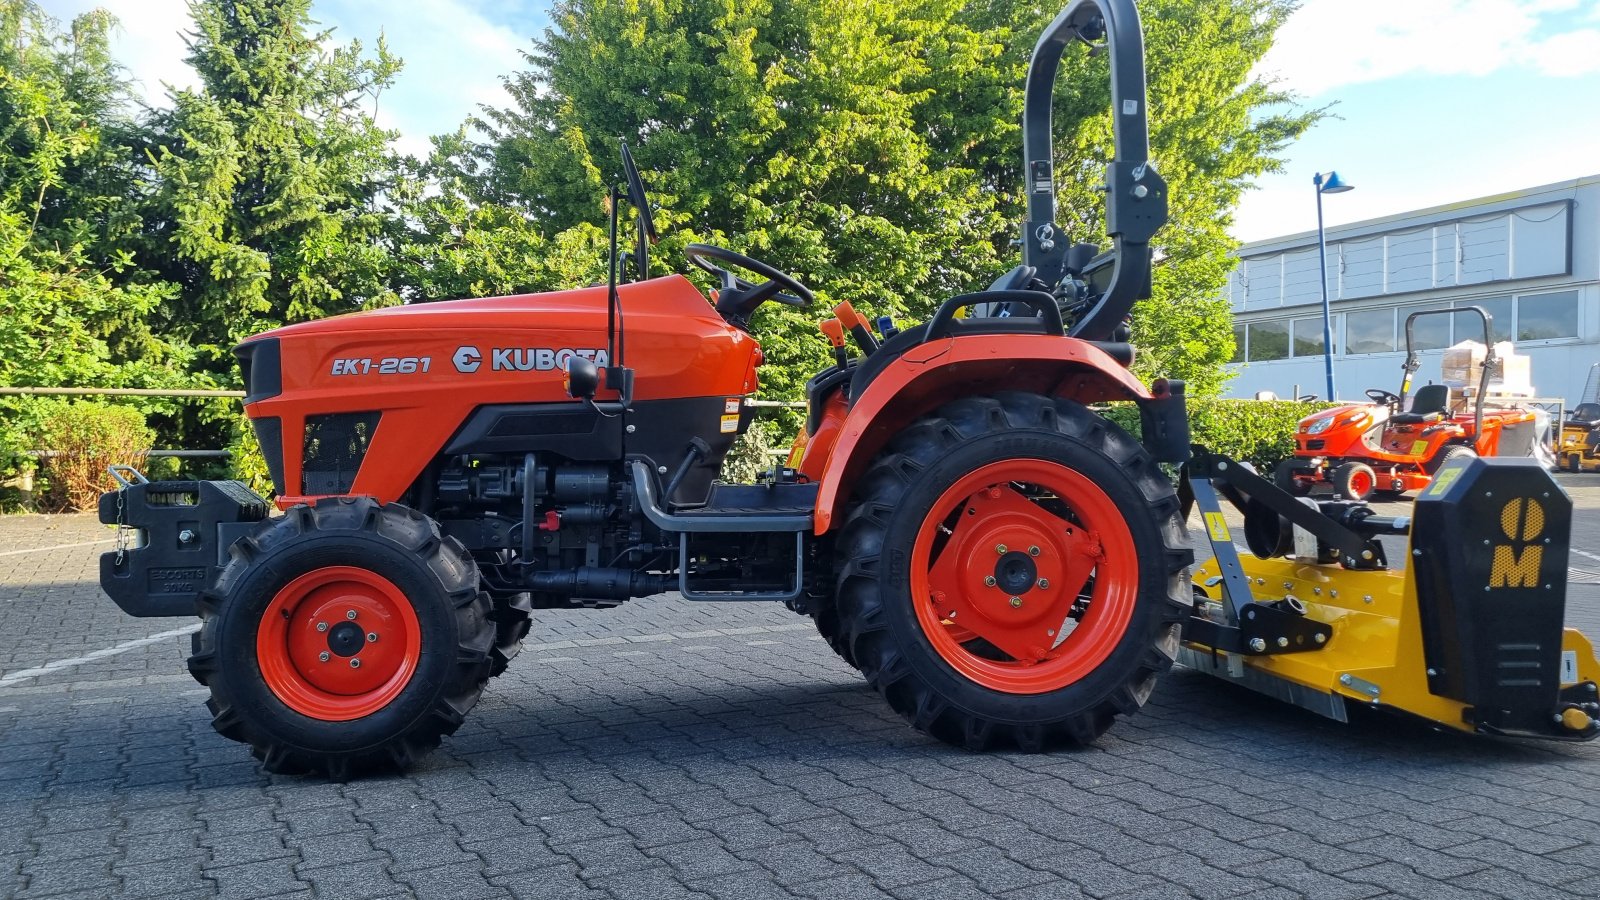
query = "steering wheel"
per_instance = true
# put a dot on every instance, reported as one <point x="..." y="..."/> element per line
<point x="1385" y="397"/>
<point x="739" y="298"/>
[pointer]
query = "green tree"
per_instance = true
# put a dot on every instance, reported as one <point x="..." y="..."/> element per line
<point x="460" y="245"/>
<point x="73" y="311"/>
<point x="273" y="177"/>
<point x="871" y="146"/>
<point x="789" y="130"/>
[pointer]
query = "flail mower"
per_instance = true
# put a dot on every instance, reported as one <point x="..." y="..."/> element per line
<point x="1004" y="565"/>
<point x="1366" y="449"/>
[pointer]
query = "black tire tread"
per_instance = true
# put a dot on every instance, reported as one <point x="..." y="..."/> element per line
<point x="513" y="619"/>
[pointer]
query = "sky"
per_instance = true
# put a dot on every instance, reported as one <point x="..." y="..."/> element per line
<point x="1431" y="101"/>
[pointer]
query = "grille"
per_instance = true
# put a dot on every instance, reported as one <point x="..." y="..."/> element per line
<point x="334" y="448"/>
<point x="1316" y="444"/>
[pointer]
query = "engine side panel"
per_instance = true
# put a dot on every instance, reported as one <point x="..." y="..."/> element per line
<point x="428" y="367"/>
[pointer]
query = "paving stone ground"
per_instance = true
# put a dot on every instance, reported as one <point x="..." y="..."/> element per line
<point x="670" y="749"/>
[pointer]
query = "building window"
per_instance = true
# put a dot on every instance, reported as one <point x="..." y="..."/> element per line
<point x="1238" y="344"/>
<point x="1268" y="340"/>
<point x="1427" y="332"/>
<point x="1468" y="328"/>
<point x="1307" y="334"/>
<point x="1541" y="317"/>
<point x="1369" y="331"/>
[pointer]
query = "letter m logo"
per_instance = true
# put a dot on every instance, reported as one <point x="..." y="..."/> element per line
<point x="1515" y="568"/>
<point x="1522" y="520"/>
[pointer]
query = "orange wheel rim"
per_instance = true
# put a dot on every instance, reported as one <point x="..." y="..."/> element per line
<point x="1024" y="576"/>
<point x="1360" y="483"/>
<point x="338" y="643"/>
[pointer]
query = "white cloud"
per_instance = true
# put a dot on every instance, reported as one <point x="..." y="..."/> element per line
<point x="1330" y="43"/>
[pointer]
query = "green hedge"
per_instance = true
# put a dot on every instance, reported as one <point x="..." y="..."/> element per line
<point x="1255" y="431"/>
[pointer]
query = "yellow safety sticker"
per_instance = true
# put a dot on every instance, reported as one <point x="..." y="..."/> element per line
<point x="1442" y="481"/>
<point x="730" y="424"/>
<point x="1419" y="448"/>
<point x="1218" y="527"/>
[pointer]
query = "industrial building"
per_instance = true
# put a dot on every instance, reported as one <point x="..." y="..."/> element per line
<point x="1530" y="258"/>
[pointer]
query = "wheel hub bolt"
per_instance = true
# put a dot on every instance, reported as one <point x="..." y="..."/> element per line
<point x="322" y="626"/>
<point x="1016" y="602"/>
<point x="1000" y="549"/>
<point x="1044" y="584"/>
<point x="355" y="662"/>
<point x="323" y="656"/>
<point x="372" y="637"/>
<point x="1033" y="551"/>
<point x="349" y="614"/>
<point x="988" y="581"/>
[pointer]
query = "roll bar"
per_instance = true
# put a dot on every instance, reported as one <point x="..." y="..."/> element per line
<point x="1491" y="362"/>
<point x="1136" y="199"/>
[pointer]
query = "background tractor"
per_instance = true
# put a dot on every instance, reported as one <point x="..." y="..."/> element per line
<point x="1004" y="565"/>
<point x="1368" y="449"/>
<point x="1578" y="442"/>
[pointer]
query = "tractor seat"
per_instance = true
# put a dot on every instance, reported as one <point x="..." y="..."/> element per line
<point x="1585" y="415"/>
<point x="1429" y="406"/>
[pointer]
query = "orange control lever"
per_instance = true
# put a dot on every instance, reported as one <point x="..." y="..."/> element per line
<point x="858" y="327"/>
<point x="833" y="330"/>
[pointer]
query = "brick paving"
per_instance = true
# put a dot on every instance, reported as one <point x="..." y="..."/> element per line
<point x="670" y="749"/>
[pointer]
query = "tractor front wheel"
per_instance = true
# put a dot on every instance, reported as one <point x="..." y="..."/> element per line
<point x="1015" y="573"/>
<point x="1354" y="481"/>
<point x="343" y="637"/>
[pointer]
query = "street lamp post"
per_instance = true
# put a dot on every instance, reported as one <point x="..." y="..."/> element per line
<point x="1329" y="185"/>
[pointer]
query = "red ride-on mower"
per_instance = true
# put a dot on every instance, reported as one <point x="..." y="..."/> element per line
<point x="1366" y="450"/>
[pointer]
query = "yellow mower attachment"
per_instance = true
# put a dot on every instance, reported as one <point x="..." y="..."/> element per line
<point x="1469" y="635"/>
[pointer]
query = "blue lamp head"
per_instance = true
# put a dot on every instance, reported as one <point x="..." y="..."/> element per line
<point x="1333" y="184"/>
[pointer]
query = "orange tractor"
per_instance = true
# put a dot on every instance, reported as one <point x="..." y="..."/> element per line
<point x="1003" y="565"/>
<point x="1363" y="450"/>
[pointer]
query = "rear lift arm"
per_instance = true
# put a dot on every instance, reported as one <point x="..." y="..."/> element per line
<point x="1250" y="627"/>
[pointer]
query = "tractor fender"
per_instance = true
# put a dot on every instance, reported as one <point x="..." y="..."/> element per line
<point x="928" y="375"/>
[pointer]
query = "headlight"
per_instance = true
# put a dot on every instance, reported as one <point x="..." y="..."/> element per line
<point x="1320" y="425"/>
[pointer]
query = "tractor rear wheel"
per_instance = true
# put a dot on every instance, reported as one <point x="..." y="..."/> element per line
<point x="1354" y="481"/>
<point x="1454" y="451"/>
<point x="343" y="637"/>
<point x="1016" y="573"/>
